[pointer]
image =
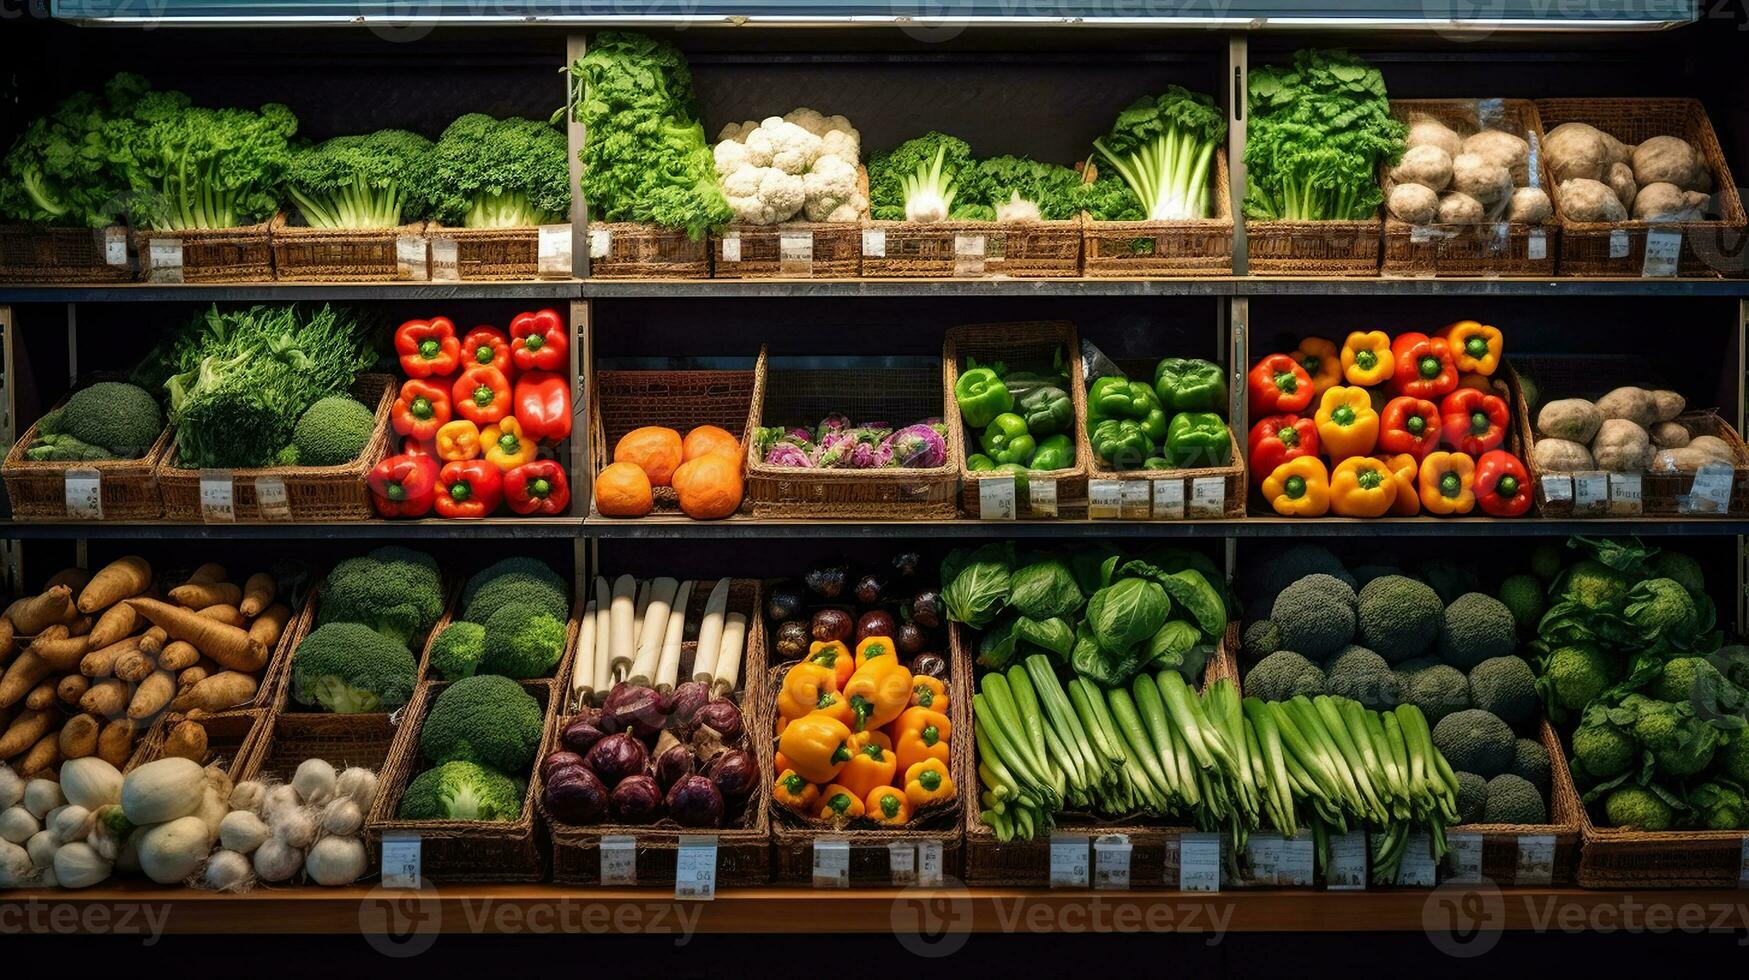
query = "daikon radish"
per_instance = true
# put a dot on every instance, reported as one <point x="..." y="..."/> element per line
<point x="602" y="624"/>
<point x="668" y="664"/>
<point x="623" y="627"/>
<point x="654" y="630"/>
<point x="583" y="662"/>
<point x="730" y="654"/>
<point x="710" y="632"/>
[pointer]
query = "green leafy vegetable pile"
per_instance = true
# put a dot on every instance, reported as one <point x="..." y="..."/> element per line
<point x="500" y="173"/>
<point x="378" y="180"/>
<point x="934" y="177"/>
<point x="59" y="172"/>
<point x="1163" y="148"/>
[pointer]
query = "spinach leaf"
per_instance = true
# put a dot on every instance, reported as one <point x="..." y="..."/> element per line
<point x="1054" y="634"/>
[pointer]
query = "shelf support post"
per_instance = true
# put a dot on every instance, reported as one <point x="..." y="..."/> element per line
<point x="575" y="47"/>
<point x="1238" y="84"/>
<point x="11" y="549"/>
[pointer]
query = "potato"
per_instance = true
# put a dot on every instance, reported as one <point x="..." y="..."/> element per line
<point x="1561" y="456"/>
<point x="1677" y="460"/>
<point x="1621" y="180"/>
<point x="1429" y="166"/>
<point x="1667" y="159"/>
<point x="1480" y="178"/>
<point x="1503" y="149"/>
<point x="1633" y="404"/>
<point x="1590" y="200"/>
<point x="1458" y="208"/>
<point x="1576" y="151"/>
<point x="1413" y="203"/>
<point x="1427" y="131"/>
<point x="1529" y="205"/>
<point x="1621" y="447"/>
<point x="1572" y="419"/>
<point x="1667" y="202"/>
<point x="1717" y="449"/>
<point x="1670" y="404"/>
<point x="1669" y="435"/>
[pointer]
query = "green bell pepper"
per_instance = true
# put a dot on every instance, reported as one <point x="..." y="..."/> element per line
<point x="1006" y="440"/>
<point x="1047" y="411"/>
<point x="981" y="396"/>
<point x="1198" y="439"/>
<point x="1054" y="453"/>
<point x="979" y="463"/>
<point x="1190" y="384"/>
<point x="1156" y="463"/>
<point x="1122" y="443"/>
<point x="1154" y="422"/>
<point x="1118" y="398"/>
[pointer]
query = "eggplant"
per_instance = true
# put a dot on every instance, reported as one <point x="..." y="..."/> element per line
<point x="870" y="589"/>
<point x="735" y="775"/>
<point x="687" y="699"/>
<point x="617" y="757"/>
<point x="793" y="639"/>
<point x="785" y="601"/>
<point x="827" y="581"/>
<point x="637" y="800"/>
<point x="906" y="564"/>
<point x="671" y="760"/>
<point x="694" y="801"/>
<point x="559" y="760"/>
<point x="575" y="795"/>
<point x="633" y="708"/>
<point x="580" y="736"/>
<point x="910" y="638"/>
<point x="830" y="626"/>
<point x="721" y="716"/>
<point x="925" y="609"/>
<point x="875" y="622"/>
<point x="930" y="665"/>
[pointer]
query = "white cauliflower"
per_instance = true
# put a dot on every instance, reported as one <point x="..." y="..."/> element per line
<point x="829" y="186"/>
<point x="792" y="149"/>
<point x="808" y="119"/>
<point x="731" y="156"/>
<point x="763" y="195"/>
<point x="818" y="154"/>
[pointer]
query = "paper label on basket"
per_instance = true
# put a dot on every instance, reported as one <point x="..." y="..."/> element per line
<point x="1538" y="246"/>
<point x="217" y="500"/>
<point x="1417" y="870"/>
<point x="1199" y="862"/>
<point x="412" y="258"/>
<point x="996" y="498"/>
<point x="1103" y="500"/>
<point x="619" y="860"/>
<point x="1463" y="857"/>
<point x="1041" y="498"/>
<point x="731" y="249"/>
<point x="164" y="260"/>
<point x="968" y="255"/>
<point x="553" y="252"/>
<point x="874" y="243"/>
<point x="1557" y="487"/>
<point x="1208" y="496"/>
<point x="929" y="863"/>
<point x="446" y="263"/>
<point x="695" y="868"/>
<point x="831" y="864"/>
<point x="1294" y="868"/>
<point x="1347" y="869"/>
<point x="1068" y="861"/>
<point x="1663" y="250"/>
<point x="1590" y="492"/>
<point x="600" y="243"/>
<point x="401" y="859"/>
<point x="1263" y="854"/>
<point x="83" y="493"/>
<point x="902" y="862"/>
<point x="1711" y="492"/>
<point x="271" y="498"/>
<point x="115" y="246"/>
<point x="1168" y="500"/>
<point x="1618" y="244"/>
<point x="1134" y="500"/>
<point x="1625" y="494"/>
<point x="1536" y="860"/>
<point x="795" y="253"/>
<point x="1111" y="862"/>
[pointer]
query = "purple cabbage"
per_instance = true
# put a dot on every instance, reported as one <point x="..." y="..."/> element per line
<point x="867" y="457"/>
<point x="797" y="435"/>
<point x="836" y="422"/>
<point x="787" y="454"/>
<point x="834" y="450"/>
<point x="917" y="447"/>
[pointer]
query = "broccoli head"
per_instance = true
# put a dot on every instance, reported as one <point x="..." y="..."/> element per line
<point x="1472" y="797"/>
<point x="515" y="565"/>
<point x="522" y="642"/>
<point x="348" y="668"/>
<point x="1662" y="611"/>
<point x="1315" y="616"/>
<point x="1475" y="741"/>
<point x="1719" y="806"/>
<point x="486" y="719"/>
<point x="458" y="650"/>
<point x="1530" y="761"/>
<point x="1282" y="675"/>
<point x="394" y="590"/>
<point x="1681" y="744"/>
<point x="1733" y="757"/>
<point x="1261" y="639"/>
<point x="1477" y="627"/>
<point x="1399" y="617"/>
<point x="1506" y="687"/>
<point x="1438" y="691"/>
<point x="1523" y="595"/>
<point x="1361" y="675"/>
<point x="1595" y="587"/>
<point x="116" y="416"/>
<point x="1577" y="673"/>
<point x="1546" y="560"/>
<point x="1639" y="808"/>
<point x="333" y="431"/>
<point x="462" y="791"/>
<point x="1603" y="749"/>
<point x="1447" y="578"/>
<point x="544" y="592"/>
<point x="1512" y="799"/>
<point x="1682" y="568"/>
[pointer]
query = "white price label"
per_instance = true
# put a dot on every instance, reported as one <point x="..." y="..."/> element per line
<point x="1134" y="500"/>
<point x="1168" y="500"/>
<point x="1590" y="492"/>
<point x="1294" y="869"/>
<point x="929" y="864"/>
<point x="831" y="864"/>
<point x="1536" y="860"/>
<point x="874" y="243"/>
<point x="902" y="862"/>
<point x="600" y="243"/>
<point x="1422" y="234"/>
<point x="1199" y="862"/>
<point x="1111" y="862"/>
<point x="553" y="251"/>
<point x="1347" y="868"/>
<point x="695" y="868"/>
<point x="446" y="263"/>
<point x="1625" y="494"/>
<point x="1711" y="491"/>
<point x="1538" y="246"/>
<point x="619" y="861"/>
<point x="1068" y="861"/>
<point x="1464" y="857"/>
<point x="1041" y="497"/>
<point x="969" y="246"/>
<point x="1417" y="869"/>
<point x="795" y="252"/>
<point x="1618" y="244"/>
<point x="164" y="260"/>
<point x="217" y="503"/>
<point x="1103" y="500"/>
<point x="271" y="499"/>
<point x="83" y="494"/>
<point x="1208" y="497"/>
<point x="401" y="859"/>
<point x="1263" y="855"/>
<point x="996" y="498"/>
<point x="412" y="258"/>
<point x="1557" y="487"/>
<point x="115" y="246"/>
<point x="1663" y="250"/>
<point x="731" y="247"/>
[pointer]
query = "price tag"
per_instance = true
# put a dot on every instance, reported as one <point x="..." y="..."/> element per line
<point x="695" y="868"/>
<point x="1618" y="244"/>
<point x="1625" y="494"/>
<point x="874" y="243"/>
<point x="446" y="265"/>
<point x="271" y="499"/>
<point x="83" y="493"/>
<point x="115" y="246"/>
<point x="996" y="498"/>
<point x="831" y="864"/>
<point x="1417" y="869"/>
<point x="902" y="862"/>
<point x="553" y="252"/>
<point x="1208" y="497"/>
<point x="412" y="258"/>
<point x="619" y="861"/>
<point x="164" y="260"/>
<point x="1421" y="234"/>
<point x="731" y="248"/>
<point x="1538" y="246"/>
<point x="600" y="243"/>
<point x="1464" y="857"/>
<point x="1347" y="868"/>
<point x="217" y="505"/>
<point x="929" y="864"/>
<point x="1134" y="500"/>
<point x="1068" y="861"/>
<point x="1199" y="862"/>
<point x="1111" y="862"/>
<point x="1294" y="869"/>
<point x="968" y="255"/>
<point x="1590" y="492"/>
<point x="1557" y="487"/>
<point x="1103" y="500"/>
<point x="795" y="253"/>
<point x="401" y="854"/>
<point x="1711" y="492"/>
<point x="1663" y="250"/>
<point x="1041" y="497"/>
<point x="1168" y="500"/>
<point x="1536" y="860"/>
<point x="1263" y="854"/>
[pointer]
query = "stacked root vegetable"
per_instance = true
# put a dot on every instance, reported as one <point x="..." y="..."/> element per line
<point x="1601" y="179"/>
<point x="1451" y="178"/>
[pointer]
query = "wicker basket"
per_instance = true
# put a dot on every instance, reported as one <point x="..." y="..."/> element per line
<point x="620" y="401"/>
<point x="312" y="493"/>
<point x="304" y="254"/>
<point x="1131" y="249"/>
<point x="624" y="250"/>
<point x="232" y="739"/>
<point x="1500" y="842"/>
<point x="1313" y="248"/>
<point x="484" y="253"/>
<point x="971" y="249"/>
<point x="207" y="255"/>
<point x="1037" y="341"/>
<point x="1231" y="478"/>
<point x="797" y="250"/>
<point x="127" y="488"/>
<point x="805" y="395"/>
<point x="743" y="851"/>
<point x="62" y="255"/>
<point x="1614" y="857"/>
<point x="1498" y="248"/>
<point x="1710" y="248"/>
<point x="1589" y="376"/>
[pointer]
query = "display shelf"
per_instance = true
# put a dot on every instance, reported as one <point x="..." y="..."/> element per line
<point x="1212" y="286"/>
<point x="491" y="527"/>
<point x="268" y="292"/>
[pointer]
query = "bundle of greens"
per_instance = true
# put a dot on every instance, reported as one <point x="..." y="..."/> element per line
<point x="1019" y="189"/>
<point x="58" y="171"/>
<point x="1317" y="134"/>
<point x="378" y="180"/>
<point x="644" y="153"/>
<point x="935" y="178"/>
<point x="500" y="173"/>
<point x="1164" y="149"/>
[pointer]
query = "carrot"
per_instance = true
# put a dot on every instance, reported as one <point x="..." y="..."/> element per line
<point x="37" y="613"/>
<point x="224" y="613"/>
<point x="117" y="622"/>
<point x="212" y="571"/>
<point x="106" y="699"/>
<point x="116" y="742"/>
<point x="101" y="663"/>
<point x="203" y="594"/>
<point x="42" y="758"/>
<point x="226" y="689"/>
<point x="228" y="645"/>
<point x="134" y="667"/>
<point x="61" y="653"/>
<point x="177" y="655"/>
<point x="41" y="696"/>
<point x="73" y="577"/>
<point x="25" y="673"/>
<point x="72" y="688"/>
<point x="25" y="730"/>
<point x="152" y="695"/>
<point x="270" y="624"/>
<point x="118" y="580"/>
<point x="78" y="737"/>
<point x="258" y="593"/>
<point x="186" y="741"/>
<point x="152" y="640"/>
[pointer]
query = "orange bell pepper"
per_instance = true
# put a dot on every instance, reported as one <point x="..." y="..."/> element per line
<point x="921" y="734"/>
<point x="1448" y="483"/>
<point x="839" y="803"/>
<point x="804" y="690"/>
<point x="1475" y="347"/>
<point x="792" y="791"/>
<point x="1404" y="470"/>
<point x="1321" y="362"/>
<point x="1347" y="424"/>
<point x="458" y="440"/>
<point x="1362" y="486"/>
<point x="1366" y="358"/>
<point x="871" y="764"/>
<point x="873" y="647"/>
<point x="816" y="747"/>
<point x="928" y="782"/>
<point x="834" y="656"/>
<point x="878" y="692"/>
<point x="506" y="446"/>
<point x="928" y="692"/>
<point x="887" y="805"/>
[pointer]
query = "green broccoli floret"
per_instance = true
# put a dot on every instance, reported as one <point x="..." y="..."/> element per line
<point x="1603" y="749"/>
<point x="1546" y="560"/>
<point x="1472" y="797"/>
<point x="1681" y="744"/>
<point x="1530" y="761"/>
<point x="1315" y="616"/>
<point x="1682" y="568"/>
<point x="522" y="642"/>
<point x="1438" y="691"/>
<point x="1475" y="741"/>
<point x="462" y="791"/>
<point x="1639" y="808"/>
<point x="517" y="565"/>
<point x="1676" y="682"/>
<point x="1661" y="610"/>
<point x="289" y="456"/>
<point x="117" y="416"/>
<point x="1282" y="675"/>
<point x="1265" y="580"/>
<point x="1399" y="617"/>
<point x="333" y="431"/>
<point x="1733" y="758"/>
<point x="458" y="650"/>
<point x="1523" y="595"/>
<point x="1261" y="639"/>
<point x="1447" y="578"/>
<point x="394" y="590"/>
<point x="486" y="719"/>
<point x="1477" y="627"/>
<point x="1512" y="799"/>
<point x="1577" y="673"/>
<point x="62" y="448"/>
<point x="1594" y="586"/>
<point x="348" y="668"/>
<point x="1719" y="806"/>
<point x="1506" y="687"/>
<point x="1361" y="675"/>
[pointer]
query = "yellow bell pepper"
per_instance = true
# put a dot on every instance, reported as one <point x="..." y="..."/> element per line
<point x="1323" y="363"/>
<point x="458" y="440"/>
<point x="1299" y="487"/>
<point x="1361" y="486"/>
<point x="838" y="803"/>
<point x="506" y="446"/>
<point x="1448" y="483"/>
<point x="816" y="747"/>
<point x="781" y="762"/>
<point x="1479" y="382"/>
<point x="1404" y="470"/>
<point x="1347" y="423"/>
<point x="917" y="720"/>
<point x="805" y="689"/>
<point x="792" y="791"/>
<point x="887" y="805"/>
<point x="928" y="692"/>
<point x="871" y="764"/>
<point x="1475" y="347"/>
<point x="835" y="656"/>
<point x="874" y="648"/>
<point x="928" y="782"/>
<point x="1367" y="359"/>
<point x="878" y="692"/>
<point x="832" y="704"/>
<point x="920" y="734"/>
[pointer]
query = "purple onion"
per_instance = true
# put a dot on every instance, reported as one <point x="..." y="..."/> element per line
<point x="580" y="736"/>
<point x="635" y="708"/>
<point x="735" y="775"/>
<point x="617" y="757"/>
<point x="637" y="800"/>
<point x="722" y="717"/>
<point x="574" y="795"/>
<point x="688" y="698"/>
<point x="562" y="759"/>
<point x="672" y="760"/>
<point x="693" y="801"/>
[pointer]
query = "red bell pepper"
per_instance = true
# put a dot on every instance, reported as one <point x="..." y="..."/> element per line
<point x="482" y="395"/>
<point x="538" y="342"/>
<point x="1278" y="384"/>
<point x="486" y="345"/>
<point x="470" y="488"/>
<point x="428" y="348"/>
<point x="1475" y="421"/>
<point x="1502" y="485"/>
<point x="404" y="486"/>
<point x="1424" y="366"/>
<point x="543" y="405"/>
<point x="1278" y="438"/>
<point x="421" y="409"/>
<point x="414" y="446"/>
<point x="1409" y="425"/>
<point x="539" y="487"/>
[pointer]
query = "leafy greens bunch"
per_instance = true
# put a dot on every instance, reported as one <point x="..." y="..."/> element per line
<point x="377" y="180"/>
<point x="1164" y="148"/>
<point x="934" y="177"/>
<point x="500" y="173"/>
<point x="58" y="172"/>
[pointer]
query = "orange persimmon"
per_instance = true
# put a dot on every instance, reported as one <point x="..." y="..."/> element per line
<point x="656" y="450"/>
